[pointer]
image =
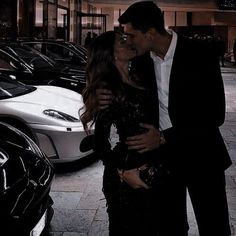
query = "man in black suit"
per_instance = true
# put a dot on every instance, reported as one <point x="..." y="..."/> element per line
<point x="234" y="51"/>
<point x="192" y="108"/>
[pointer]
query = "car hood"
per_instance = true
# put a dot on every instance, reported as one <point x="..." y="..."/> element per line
<point x="25" y="173"/>
<point x="30" y="106"/>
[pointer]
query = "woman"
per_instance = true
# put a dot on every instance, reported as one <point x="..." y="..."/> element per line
<point x="130" y="201"/>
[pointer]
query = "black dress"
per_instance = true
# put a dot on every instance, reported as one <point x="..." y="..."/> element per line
<point x="131" y="211"/>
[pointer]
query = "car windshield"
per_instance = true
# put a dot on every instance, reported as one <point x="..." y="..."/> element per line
<point x="32" y="57"/>
<point x="10" y="88"/>
<point x="82" y="51"/>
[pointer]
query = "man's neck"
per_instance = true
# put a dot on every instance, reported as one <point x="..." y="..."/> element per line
<point x="162" y="44"/>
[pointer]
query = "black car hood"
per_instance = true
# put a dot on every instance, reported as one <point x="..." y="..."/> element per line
<point x="24" y="175"/>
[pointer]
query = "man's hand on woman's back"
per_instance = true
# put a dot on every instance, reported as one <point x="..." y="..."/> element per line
<point x="104" y="98"/>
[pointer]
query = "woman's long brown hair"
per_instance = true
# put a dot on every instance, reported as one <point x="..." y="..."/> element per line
<point x="101" y="72"/>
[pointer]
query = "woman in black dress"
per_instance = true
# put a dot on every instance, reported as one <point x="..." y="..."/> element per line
<point x="130" y="200"/>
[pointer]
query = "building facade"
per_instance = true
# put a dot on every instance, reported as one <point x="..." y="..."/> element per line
<point x="72" y="19"/>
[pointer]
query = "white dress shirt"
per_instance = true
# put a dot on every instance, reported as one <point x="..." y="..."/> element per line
<point x="162" y="72"/>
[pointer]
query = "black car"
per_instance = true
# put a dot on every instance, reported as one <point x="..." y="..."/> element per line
<point x="26" y="175"/>
<point x="60" y="51"/>
<point x="34" y="68"/>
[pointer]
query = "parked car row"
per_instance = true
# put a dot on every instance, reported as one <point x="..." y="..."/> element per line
<point x="39" y="125"/>
<point x="60" y="51"/>
<point x="47" y="114"/>
<point x="35" y="68"/>
<point x="42" y="98"/>
<point x="47" y="109"/>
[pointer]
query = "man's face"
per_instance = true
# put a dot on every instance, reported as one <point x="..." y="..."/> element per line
<point x="136" y="39"/>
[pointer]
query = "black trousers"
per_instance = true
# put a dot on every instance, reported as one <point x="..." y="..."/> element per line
<point x="209" y="200"/>
<point x="193" y="168"/>
<point x="208" y="197"/>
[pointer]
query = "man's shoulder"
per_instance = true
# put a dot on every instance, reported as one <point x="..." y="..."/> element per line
<point x="196" y="46"/>
<point x="194" y="43"/>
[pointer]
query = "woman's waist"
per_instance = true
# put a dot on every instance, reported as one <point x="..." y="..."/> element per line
<point x="131" y="127"/>
<point x="130" y="159"/>
<point x="134" y="160"/>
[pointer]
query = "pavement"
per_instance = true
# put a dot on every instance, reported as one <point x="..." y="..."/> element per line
<point x="79" y="204"/>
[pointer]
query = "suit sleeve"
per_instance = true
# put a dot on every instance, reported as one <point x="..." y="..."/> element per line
<point x="196" y="95"/>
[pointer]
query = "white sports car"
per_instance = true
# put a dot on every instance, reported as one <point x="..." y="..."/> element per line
<point x="47" y="114"/>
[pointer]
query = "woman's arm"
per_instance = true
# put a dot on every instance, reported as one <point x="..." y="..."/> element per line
<point x="101" y="144"/>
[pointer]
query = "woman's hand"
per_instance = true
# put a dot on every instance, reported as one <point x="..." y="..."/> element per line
<point x="131" y="177"/>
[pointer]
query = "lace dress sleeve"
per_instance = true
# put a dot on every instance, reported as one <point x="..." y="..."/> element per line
<point x="116" y="156"/>
<point x="102" y="145"/>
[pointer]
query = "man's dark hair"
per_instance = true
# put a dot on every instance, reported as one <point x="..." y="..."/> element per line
<point x="143" y="16"/>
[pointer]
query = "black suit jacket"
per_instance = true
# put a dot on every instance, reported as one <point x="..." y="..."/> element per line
<point x="196" y="106"/>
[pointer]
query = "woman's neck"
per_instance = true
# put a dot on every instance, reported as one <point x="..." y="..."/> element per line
<point x="123" y="67"/>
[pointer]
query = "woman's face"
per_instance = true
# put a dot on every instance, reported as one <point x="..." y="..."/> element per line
<point x="122" y="50"/>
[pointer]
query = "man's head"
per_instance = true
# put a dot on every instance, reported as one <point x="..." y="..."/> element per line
<point x="142" y="16"/>
<point x="141" y="21"/>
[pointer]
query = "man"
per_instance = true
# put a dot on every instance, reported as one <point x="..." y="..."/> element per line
<point x="191" y="107"/>
<point x="191" y="110"/>
<point x="234" y="51"/>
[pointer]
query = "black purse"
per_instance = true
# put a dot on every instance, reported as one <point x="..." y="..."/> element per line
<point x="154" y="175"/>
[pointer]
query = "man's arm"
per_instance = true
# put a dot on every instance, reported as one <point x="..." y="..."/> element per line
<point x="104" y="98"/>
<point x="148" y="141"/>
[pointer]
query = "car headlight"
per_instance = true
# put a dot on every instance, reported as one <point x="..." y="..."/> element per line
<point x="60" y="115"/>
